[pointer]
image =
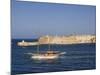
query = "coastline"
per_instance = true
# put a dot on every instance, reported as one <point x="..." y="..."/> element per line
<point x="72" y="39"/>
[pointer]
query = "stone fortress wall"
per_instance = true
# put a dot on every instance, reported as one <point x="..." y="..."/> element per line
<point x="71" y="39"/>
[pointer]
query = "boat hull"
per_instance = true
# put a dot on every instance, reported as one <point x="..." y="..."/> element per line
<point x="44" y="57"/>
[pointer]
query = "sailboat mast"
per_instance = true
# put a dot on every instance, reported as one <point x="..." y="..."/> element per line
<point x="48" y="43"/>
<point x="38" y="47"/>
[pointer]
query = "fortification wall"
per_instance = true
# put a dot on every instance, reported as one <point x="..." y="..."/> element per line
<point x="73" y="39"/>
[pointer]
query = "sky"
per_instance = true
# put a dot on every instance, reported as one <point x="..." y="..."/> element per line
<point x="35" y="19"/>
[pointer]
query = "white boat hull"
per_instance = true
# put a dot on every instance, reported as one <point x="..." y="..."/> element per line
<point x="43" y="57"/>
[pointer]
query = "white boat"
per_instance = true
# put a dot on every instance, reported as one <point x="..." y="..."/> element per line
<point x="48" y="55"/>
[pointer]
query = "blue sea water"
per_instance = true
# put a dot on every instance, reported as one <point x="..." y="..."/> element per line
<point x="77" y="57"/>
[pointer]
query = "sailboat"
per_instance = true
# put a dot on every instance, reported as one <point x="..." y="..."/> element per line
<point x="47" y="55"/>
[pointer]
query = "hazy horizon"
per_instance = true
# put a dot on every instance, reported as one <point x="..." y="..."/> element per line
<point x="35" y="19"/>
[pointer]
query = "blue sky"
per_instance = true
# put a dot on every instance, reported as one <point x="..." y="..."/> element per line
<point x="33" y="19"/>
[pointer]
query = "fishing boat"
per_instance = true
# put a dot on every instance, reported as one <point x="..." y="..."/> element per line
<point x="47" y="55"/>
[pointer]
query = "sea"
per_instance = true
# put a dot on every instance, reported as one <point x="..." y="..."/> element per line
<point x="76" y="57"/>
